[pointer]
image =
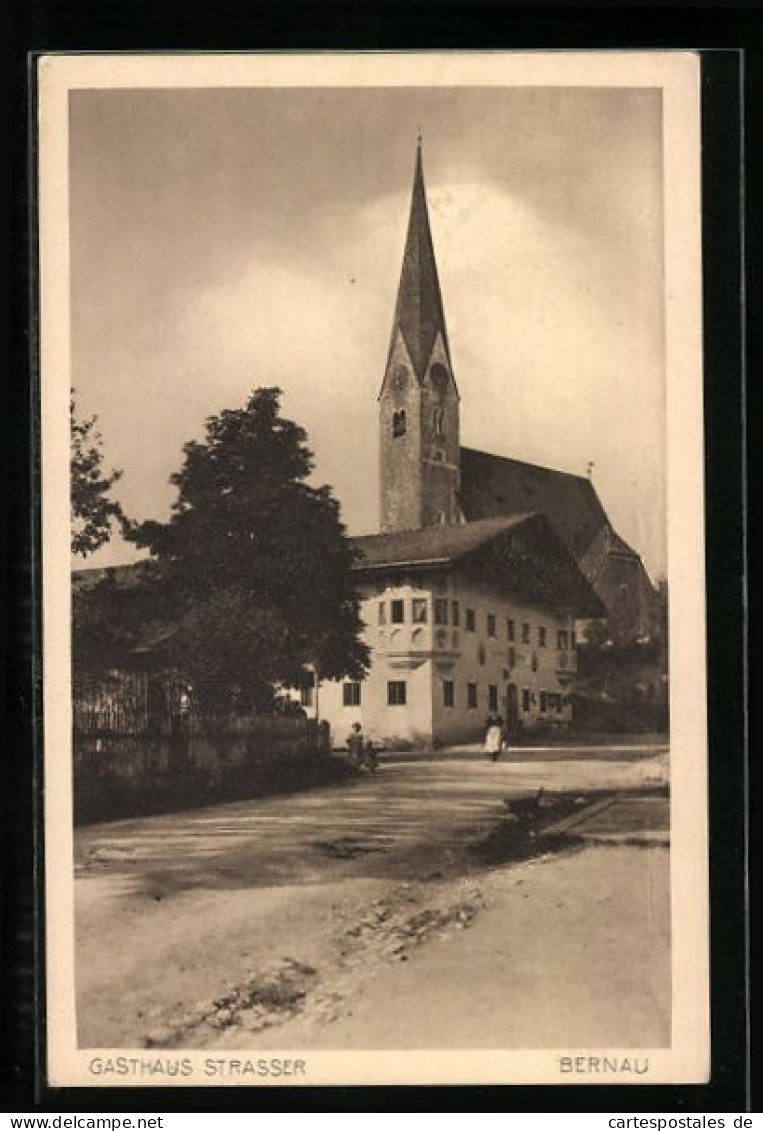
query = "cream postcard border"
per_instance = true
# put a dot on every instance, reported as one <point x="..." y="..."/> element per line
<point x="678" y="75"/>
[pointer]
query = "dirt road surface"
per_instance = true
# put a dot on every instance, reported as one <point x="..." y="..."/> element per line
<point x="436" y="904"/>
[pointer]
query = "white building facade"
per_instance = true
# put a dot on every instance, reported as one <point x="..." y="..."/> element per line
<point x="445" y="655"/>
<point x="462" y="622"/>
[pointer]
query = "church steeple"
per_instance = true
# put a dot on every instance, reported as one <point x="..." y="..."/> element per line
<point x="418" y="403"/>
<point x="419" y="315"/>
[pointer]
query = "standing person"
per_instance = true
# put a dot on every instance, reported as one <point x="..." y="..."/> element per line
<point x="355" y="746"/>
<point x="370" y="757"/>
<point x="505" y="736"/>
<point x="180" y="733"/>
<point x="493" y="736"/>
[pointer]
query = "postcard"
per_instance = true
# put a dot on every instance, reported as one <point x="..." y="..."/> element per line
<point x="373" y="568"/>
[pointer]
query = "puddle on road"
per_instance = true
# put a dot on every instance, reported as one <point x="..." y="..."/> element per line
<point x="350" y="848"/>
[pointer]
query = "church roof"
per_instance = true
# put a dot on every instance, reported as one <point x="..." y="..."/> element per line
<point x="419" y="312"/>
<point x="607" y="542"/>
<point x="493" y="485"/>
<point x="432" y="545"/>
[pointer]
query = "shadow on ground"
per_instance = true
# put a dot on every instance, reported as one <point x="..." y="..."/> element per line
<point x="374" y="836"/>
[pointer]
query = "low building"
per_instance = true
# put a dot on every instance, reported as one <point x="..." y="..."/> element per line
<point x="462" y="621"/>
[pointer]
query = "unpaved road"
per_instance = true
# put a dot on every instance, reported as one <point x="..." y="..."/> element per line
<point x="411" y="909"/>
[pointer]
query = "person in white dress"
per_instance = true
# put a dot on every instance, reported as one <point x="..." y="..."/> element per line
<point x="494" y="736"/>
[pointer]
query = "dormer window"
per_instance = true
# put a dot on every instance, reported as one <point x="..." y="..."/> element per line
<point x="398" y="423"/>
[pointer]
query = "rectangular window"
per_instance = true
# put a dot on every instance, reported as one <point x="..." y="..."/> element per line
<point x="491" y="624"/>
<point x="492" y="697"/>
<point x="306" y="696"/>
<point x="419" y="610"/>
<point x="382" y="612"/>
<point x="543" y="698"/>
<point x="471" y="621"/>
<point x="440" y="610"/>
<point x="525" y="632"/>
<point x="561" y="640"/>
<point x="448" y="693"/>
<point x="396" y="693"/>
<point x="351" y="694"/>
<point x="471" y="696"/>
<point x="541" y="636"/>
<point x="510" y="630"/>
<point x="397" y="609"/>
<point x="455" y="613"/>
<point x="512" y="657"/>
<point x="573" y="643"/>
<point x="525" y="699"/>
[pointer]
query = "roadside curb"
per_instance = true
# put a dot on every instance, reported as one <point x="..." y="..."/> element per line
<point x="575" y="819"/>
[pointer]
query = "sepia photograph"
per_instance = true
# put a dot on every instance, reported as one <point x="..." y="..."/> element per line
<point x="375" y="741"/>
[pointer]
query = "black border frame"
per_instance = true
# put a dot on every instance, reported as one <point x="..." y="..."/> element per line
<point x="732" y="39"/>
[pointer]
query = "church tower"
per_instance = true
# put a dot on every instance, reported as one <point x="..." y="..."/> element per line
<point x="418" y="402"/>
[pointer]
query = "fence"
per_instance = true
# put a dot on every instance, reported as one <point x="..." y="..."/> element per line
<point x="186" y="743"/>
<point x="128" y="758"/>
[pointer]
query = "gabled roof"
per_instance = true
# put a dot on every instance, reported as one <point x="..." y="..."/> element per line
<point x="419" y="314"/>
<point x="119" y="584"/>
<point x="519" y="553"/>
<point x="124" y="576"/>
<point x="493" y="485"/>
<point x="432" y="545"/>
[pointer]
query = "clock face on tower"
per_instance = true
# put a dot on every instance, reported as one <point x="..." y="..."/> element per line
<point x="400" y="379"/>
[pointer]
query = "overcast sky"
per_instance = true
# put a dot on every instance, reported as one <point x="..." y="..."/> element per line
<point x="224" y="239"/>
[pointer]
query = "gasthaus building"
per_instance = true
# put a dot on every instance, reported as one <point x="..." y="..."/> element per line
<point x="484" y="566"/>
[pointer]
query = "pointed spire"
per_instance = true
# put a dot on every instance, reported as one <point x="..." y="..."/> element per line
<point x="419" y="312"/>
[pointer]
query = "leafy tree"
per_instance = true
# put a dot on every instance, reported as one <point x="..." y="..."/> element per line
<point x="253" y="568"/>
<point x="92" y="509"/>
<point x="114" y="612"/>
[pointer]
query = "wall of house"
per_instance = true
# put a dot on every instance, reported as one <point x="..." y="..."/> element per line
<point x="401" y="653"/>
<point x="394" y="726"/>
<point x="542" y="673"/>
<point x="426" y="655"/>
